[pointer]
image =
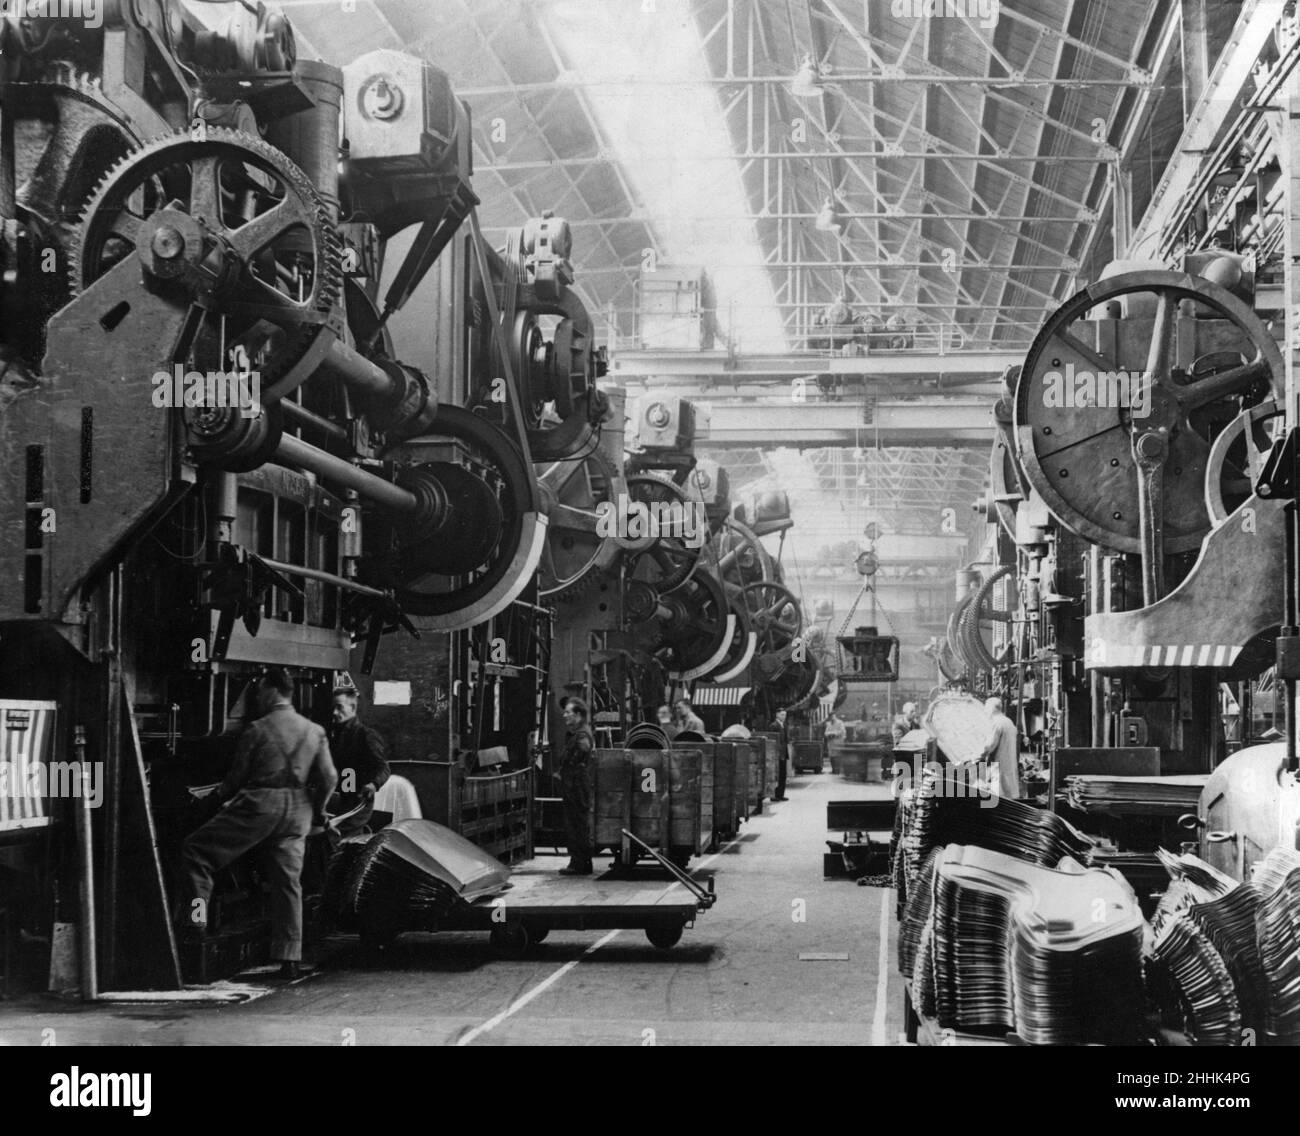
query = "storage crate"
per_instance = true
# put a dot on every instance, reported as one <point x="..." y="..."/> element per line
<point x="760" y="783"/>
<point x="708" y="784"/>
<point x="730" y="787"/>
<point x="807" y="757"/>
<point x="493" y="811"/>
<point x="655" y="795"/>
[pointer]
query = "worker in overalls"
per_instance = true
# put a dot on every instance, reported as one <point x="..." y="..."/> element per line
<point x="359" y="758"/>
<point x="575" y="781"/>
<point x="279" y="782"/>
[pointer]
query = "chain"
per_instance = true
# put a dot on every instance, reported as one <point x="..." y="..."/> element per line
<point x="868" y="586"/>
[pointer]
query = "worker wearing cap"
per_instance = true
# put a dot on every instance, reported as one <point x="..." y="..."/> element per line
<point x="575" y="782"/>
<point x="280" y="779"/>
<point x="905" y="721"/>
<point x="359" y="757"/>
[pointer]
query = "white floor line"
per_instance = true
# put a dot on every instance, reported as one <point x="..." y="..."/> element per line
<point x="522" y="1001"/>
<point x="546" y="983"/>
<point x="882" y="979"/>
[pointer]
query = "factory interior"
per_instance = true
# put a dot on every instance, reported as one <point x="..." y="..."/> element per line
<point x="650" y="522"/>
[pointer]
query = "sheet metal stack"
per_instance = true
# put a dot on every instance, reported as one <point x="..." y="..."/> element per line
<point x="1229" y="924"/>
<point x="1277" y="928"/>
<point x="1192" y="881"/>
<point x="410" y="875"/>
<point x="1186" y="971"/>
<point x="912" y="924"/>
<point x="1051" y="954"/>
<point x="943" y="810"/>
<point x="971" y="929"/>
<point x="1159" y="796"/>
<point x="1207" y="961"/>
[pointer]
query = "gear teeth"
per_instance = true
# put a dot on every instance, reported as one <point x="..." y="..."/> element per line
<point x="327" y="287"/>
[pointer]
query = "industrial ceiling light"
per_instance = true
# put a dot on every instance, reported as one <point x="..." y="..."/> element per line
<point x="829" y="219"/>
<point x="807" y="81"/>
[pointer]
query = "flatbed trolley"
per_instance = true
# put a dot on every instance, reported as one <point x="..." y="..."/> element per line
<point x="541" y="901"/>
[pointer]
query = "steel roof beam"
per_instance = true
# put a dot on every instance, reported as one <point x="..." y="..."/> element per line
<point x="1219" y="109"/>
<point x="983" y="365"/>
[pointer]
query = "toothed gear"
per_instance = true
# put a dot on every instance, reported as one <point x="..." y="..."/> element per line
<point x="167" y="166"/>
<point x="62" y="80"/>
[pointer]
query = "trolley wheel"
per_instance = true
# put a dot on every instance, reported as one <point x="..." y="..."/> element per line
<point x="537" y="933"/>
<point x="665" y="936"/>
<point x="511" y="940"/>
<point x="679" y="858"/>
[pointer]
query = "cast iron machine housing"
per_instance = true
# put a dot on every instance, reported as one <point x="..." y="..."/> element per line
<point x="214" y="457"/>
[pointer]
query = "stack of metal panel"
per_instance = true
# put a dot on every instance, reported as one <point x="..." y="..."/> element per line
<point x="1018" y="947"/>
<point x="1172" y="796"/>
<point x="1183" y="964"/>
<point x="1277" y="927"/>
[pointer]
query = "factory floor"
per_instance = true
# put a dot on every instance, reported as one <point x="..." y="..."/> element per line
<point x="736" y="978"/>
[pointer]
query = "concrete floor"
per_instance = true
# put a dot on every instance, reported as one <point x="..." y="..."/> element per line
<point x="736" y="978"/>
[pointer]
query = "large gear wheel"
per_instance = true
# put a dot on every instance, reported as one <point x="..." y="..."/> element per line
<point x="1237" y="458"/>
<point x="691" y="629"/>
<point x="269" y="282"/>
<point x="665" y="562"/>
<point x="473" y="571"/>
<point x="776" y="616"/>
<point x="576" y="554"/>
<point x="1100" y="466"/>
<point x="738" y="556"/>
<point x="66" y="136"/>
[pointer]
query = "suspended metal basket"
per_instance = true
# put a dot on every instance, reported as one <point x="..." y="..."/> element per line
<point x="866" y="656"/>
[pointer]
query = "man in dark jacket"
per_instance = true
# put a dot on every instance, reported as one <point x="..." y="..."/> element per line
<point x="359" y="757"/>
<point x="575" y="780"/>
<point x="280" y="779"/>
<point x="778" y="727"/>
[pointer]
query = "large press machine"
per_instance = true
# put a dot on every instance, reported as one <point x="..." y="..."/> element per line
<point x="215" y="458"/>
<point x="1136" y="603"/>
<point x="268" y="398"/>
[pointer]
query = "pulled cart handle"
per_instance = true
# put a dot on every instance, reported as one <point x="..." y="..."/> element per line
<point x="705" y="896"/>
